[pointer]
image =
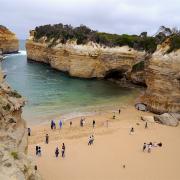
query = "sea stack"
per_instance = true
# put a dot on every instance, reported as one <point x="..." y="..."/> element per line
<point x="8" y="41"/>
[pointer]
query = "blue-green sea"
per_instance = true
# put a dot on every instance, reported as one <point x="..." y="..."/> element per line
<point x="51" y="94"/>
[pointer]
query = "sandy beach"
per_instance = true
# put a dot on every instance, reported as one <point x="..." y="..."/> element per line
<point x="113" y="148"/>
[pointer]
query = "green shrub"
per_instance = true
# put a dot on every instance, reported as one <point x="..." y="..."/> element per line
<point x="83" y="34"/>
<point x="14" y="94"/>
<point x="7" y="107"/>
<point x="14" y="155"/>
<point x="138" y="67"/>
<point x="174" y="43"/>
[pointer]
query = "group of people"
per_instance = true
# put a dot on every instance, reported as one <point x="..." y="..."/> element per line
<point x="38" y="151"/>
<point x="53" y="124"/>
<point x="149" y="146"/>
<point x="62" y="151"/>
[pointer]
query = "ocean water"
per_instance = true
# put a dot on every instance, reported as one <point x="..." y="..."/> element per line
<point x="52" y="94"/>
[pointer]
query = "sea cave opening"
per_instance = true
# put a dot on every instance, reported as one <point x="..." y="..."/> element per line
<point x="114" y="74"/>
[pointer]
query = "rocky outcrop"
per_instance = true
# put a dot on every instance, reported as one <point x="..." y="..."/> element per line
<point x="8" y="41"/>
<point x="14" y="163"/>
<point x="162" y="77"/>
<point x="167" y="119"/>
<point x="85" y="61"/>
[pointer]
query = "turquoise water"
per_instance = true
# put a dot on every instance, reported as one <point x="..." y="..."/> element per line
<point x="50" y="93"/>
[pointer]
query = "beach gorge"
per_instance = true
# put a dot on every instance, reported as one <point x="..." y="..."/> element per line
<point x="82" y="104"/>
<point x="81" y="52"/>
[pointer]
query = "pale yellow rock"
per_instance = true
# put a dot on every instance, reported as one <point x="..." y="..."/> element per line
<point x="8" y="41"/>
<point x="163" y="81"/>
<point x="85" y="61"/>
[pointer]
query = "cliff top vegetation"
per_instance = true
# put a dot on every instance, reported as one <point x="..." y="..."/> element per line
<point x="84" y="34"/>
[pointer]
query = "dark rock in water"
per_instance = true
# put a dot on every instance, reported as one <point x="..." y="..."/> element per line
<point x="167" y="119"/>
<point x="141" y="107"/>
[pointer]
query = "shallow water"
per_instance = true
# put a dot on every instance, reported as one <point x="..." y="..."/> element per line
<point x="51" y="93"/>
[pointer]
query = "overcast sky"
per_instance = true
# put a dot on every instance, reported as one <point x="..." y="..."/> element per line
<point x="114" y="16"/>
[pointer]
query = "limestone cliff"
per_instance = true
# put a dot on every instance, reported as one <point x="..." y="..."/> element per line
<point x="8" y="41"/>
<point x="14" y="163"/>
<point x="85" y="61"/>
<point x="162" y="76"/>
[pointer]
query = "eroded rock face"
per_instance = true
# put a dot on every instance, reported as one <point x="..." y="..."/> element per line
<point x="167" y="119"/>
<point x="162" y="77"/>
<point x="8" y="41"/>
<point x="85" y="61"/>
<point x="14" y="163"/>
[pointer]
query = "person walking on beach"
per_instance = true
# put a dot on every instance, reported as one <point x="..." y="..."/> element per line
<point x="146" y="125"/>
<point x="39" y="151"/>
<point x="70" y="123"/>
<point x="81" y="122"/>
<point x="131" y="131"/>
<point x="114" y="116"/>
<point x="89" y="141"/>
<point x="60" y="124"/>
<point x="119" y="111"/>
<point x="94" y="123"/>
<point x="63" y="150"/>
<point x="35" y="168"/>
<point x="47" y="139"/>
<point x="37" y="148"/>
<point x="57" y="152"/>
<point x="52" y="124"/>
<point x="149" y="147"/>
<point x="144" y="147"/>
<point x="29" y="131"/>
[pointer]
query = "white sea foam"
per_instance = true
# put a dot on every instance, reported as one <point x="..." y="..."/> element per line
<point x="20" y="53"/>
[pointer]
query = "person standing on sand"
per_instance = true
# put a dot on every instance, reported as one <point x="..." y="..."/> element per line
<point x="35" y="168"/>
<point x="81" y="122"/>
<point x="131" y="131"/>
<point x="47" y="139"/>
<point x="94" y="123"/>
<point x="149" y="147"/>
<point x="51" y="124"/>
<point x="37" y="148"/>
<point x="54" y="125"/>
<point x="39" y="151"/>
<point x="119" y="111"/>
<point x="70" y="123"/>
<point x="60" y="124"/>
<point x="114" y="116"/>
<point x="89" y="141"/>
<point x="146" y="125"/>
<point x="57" y="152"/>
<point x="144" y="147"/>
<point x="63" y="150"/>
<point x="29" y="131"/>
